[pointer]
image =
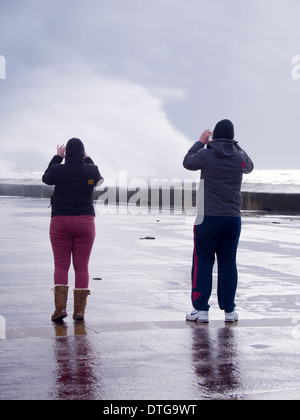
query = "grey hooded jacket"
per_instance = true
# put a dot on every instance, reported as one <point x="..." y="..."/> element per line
<point x="222" y="164"/>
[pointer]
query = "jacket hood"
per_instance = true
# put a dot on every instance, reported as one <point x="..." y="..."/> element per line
<point x="223" y="148"/>
<point x="75" y="150"/>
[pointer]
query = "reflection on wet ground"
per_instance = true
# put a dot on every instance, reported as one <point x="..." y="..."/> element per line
<point x="158" y="361"/>
<point x="215" y="359"/>
<point x="74" y="374"/>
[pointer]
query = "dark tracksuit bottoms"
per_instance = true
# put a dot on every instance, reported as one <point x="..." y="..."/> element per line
<point x="216" y="236"/>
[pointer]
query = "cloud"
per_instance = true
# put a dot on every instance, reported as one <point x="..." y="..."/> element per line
<point x="184" y="65"/>
<point x="123" y="124"/>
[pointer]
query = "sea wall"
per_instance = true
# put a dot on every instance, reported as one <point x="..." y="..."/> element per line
<point x="272" y="202"/>
<point x="253" y="201"/>
<point x="25" y="190"/>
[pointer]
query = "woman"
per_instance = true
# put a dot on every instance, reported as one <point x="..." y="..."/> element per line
<point x="72" y="228"/>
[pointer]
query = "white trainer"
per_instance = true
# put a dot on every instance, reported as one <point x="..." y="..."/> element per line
<point x="198" y="316"/>
<point x="231" y="317"/>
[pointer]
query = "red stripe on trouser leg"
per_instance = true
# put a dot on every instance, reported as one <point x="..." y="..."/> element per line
<point x="195" y="295"/>
<point x="195" y="265"/>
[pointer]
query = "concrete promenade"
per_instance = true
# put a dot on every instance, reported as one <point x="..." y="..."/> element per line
<point x="135" y="343"/>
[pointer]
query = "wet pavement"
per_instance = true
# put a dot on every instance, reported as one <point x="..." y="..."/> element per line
<point x="135" y="343"/>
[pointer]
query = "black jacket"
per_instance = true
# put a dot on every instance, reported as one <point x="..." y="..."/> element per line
<point x="74" y="185"/>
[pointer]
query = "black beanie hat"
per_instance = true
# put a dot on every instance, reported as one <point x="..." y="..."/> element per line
<point x="75" y="148"/>
<point x="224" y="130"/>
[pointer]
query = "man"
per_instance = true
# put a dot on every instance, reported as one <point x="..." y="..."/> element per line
<point x="222" y="163"/>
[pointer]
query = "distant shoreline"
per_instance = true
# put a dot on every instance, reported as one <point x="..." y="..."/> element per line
<point x="273" y="202"/>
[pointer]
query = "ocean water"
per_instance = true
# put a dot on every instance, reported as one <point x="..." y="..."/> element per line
<point x="283" y="181"/>
<point x="266" y="180"/>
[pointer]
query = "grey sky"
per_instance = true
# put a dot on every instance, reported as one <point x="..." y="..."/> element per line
<point x="139" y="81"/>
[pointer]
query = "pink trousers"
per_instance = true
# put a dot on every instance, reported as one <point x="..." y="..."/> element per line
<point x="72" y="236"/>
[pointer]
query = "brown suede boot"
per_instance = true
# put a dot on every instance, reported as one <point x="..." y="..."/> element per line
<point x="60" y="300"/>
<point x="80" y="298"/>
